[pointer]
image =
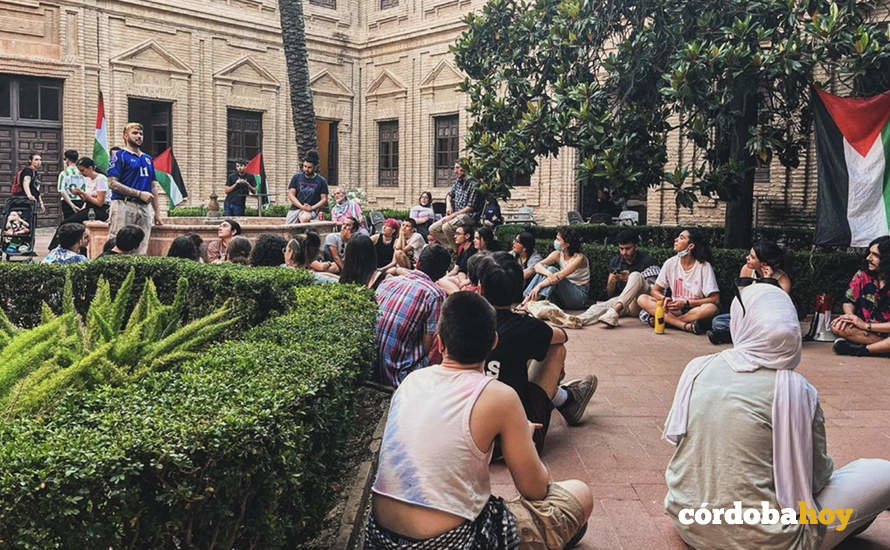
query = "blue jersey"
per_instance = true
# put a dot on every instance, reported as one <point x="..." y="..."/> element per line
<point x="136" y="172"/>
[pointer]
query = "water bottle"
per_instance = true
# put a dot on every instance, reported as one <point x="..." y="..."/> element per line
<point x="659" y="312"/>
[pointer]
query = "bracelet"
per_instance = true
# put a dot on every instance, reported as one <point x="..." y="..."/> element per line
<point x="868" y="326"/>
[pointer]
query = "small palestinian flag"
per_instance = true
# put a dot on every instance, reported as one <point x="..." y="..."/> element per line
<point x="168" y="175"/>
<point x="257" y="169"/>
<point x="853" y="148"/>
<point x="100" y="140"/>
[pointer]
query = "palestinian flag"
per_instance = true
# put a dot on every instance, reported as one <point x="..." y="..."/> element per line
<point x="257" y="169"/>
<point x="853" y="149"/>
<point x="168" y="175"/>
<point x="100" y="141"/>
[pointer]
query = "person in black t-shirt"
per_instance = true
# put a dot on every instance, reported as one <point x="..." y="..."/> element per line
<point x="307" y="192"/>
<point x="238" y="186"/>
<point x="29" y="179"/>
<point x="521" y="339"/>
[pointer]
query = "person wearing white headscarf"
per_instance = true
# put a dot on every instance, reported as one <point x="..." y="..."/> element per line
<point x="749" y="428"/>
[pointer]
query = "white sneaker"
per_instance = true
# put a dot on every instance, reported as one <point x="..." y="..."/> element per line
<point x="610" y="318"/>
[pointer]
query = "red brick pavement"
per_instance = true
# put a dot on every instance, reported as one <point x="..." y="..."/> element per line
<point x="619" y="451"/>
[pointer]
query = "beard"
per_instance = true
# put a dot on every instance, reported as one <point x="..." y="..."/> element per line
<point x="132" y="144"/>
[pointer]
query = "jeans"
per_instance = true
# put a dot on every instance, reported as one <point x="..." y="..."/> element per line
<point x="565" y="293"/>
<point x="720" y="324"/>
<point x="230" y="209"/>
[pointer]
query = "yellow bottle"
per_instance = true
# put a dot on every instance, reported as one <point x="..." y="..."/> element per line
<point x="659" y="312"/>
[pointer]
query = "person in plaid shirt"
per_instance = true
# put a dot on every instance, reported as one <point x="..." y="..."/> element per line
<point x="463" y="207"/>
<point x="407" y="315"/>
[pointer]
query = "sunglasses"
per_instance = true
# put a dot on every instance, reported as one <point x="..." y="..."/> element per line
<point x="742" y="282"/>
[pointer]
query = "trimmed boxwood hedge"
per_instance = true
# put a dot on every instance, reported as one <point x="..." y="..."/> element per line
<point x="257" y="292"/>
<point x="275" y="210"/>
<point x="237" y="449"/>
<point x="659" y="236"/>
<point x="830" y="272"/>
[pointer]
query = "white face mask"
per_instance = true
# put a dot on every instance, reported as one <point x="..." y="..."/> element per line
<point x="683" y="253"/>
<point x="557" y="246"/>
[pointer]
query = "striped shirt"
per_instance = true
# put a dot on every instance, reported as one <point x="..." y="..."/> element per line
<point x="408" y="309"/>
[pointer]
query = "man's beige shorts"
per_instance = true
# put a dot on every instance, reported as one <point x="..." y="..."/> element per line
<point x="550" y="523"/>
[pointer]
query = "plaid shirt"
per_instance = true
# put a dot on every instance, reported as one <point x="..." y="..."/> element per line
<point x="463" y="193"/>
<point x="408" y="309"/>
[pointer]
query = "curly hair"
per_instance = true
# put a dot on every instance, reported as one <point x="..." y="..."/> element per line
<point x="571" y="238"/>
<point x="268" y="250"/>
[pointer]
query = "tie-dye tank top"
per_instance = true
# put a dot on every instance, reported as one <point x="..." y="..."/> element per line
<point x="428" y="456"/>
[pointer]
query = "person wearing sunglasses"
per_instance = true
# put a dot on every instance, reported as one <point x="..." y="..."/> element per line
<point x="864" y="327"/>
<point x="765" y="260"/>
<point x="689" y="275"/>
<point x="748" y="428"/>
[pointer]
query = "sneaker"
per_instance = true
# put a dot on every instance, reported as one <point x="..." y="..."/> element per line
<point x="645" y="317"/>
<point x="580" y="392"/>
<point x="720" y="337"/>
<point x="610" y="318"/>
<point x="573" y="542"/>
<point x="844" y="347"/>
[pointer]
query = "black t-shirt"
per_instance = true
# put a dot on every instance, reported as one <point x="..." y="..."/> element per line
<point x="384" y="251"/>
<point x="464" y="257"/>
<point x="520" y="338"/>
<point x="34" y="183"/>
<point x="640" y="263"/>
<point x="238" y="196"/>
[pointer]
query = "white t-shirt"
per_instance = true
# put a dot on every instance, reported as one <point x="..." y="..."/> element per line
<point x="698" y="282"/>
<point x="99" y="183"/>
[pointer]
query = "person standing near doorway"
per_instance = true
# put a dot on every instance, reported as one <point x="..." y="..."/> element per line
<point x="29" y="181"/>
<point x="134" y="197"/>
<point x="237" y="189"/>
<point x="307" y="192"/>
<point x="69" y="180"/>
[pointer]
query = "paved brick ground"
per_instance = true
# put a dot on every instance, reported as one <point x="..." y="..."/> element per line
<point x="619" y="451"/>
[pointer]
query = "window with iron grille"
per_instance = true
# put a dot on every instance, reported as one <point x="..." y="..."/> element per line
<point x="384" y="4"/>
<point x="388" y="167"/>
<point x="447" y="149"/>
<point x="324" y="3"/>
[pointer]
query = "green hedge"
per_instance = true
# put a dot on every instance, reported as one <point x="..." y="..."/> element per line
<point x="659" y="236"/>
<point x="237" y="449"/>
<point x="258" y="292"/>
<point x="393" y="213"/>
<point x="273" y="210"/>
<point x="830" y="272"/>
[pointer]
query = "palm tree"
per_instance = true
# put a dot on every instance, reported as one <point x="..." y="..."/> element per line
<point x="293" y="35"/>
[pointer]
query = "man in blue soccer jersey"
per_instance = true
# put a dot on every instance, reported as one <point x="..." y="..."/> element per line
<point x="131" y="178"/>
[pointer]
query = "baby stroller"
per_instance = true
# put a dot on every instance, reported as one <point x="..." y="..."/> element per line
<point x="19" y="228"/>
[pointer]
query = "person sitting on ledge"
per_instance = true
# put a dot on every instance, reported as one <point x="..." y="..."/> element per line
<point x="864" y="327"/>
<point x="72" y="237"/>
<point x="766" y="260"/>
<point x="344" y="207"/>
<point x="127" y="241"/>
<point x="268" y="251"/>
<point x="227" y="229"/>
<point x="432" y="488"/>
<point x="238" y="251"/>
<point x="530" y="356"/>
<point x="563" y="277"/>
<point x="689" y="275"/>
<point x="749" y="430"/>
<point x="307" y="192"/>
<point x="632" y="272"/>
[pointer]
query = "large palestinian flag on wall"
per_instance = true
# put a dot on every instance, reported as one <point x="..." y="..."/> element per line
<point x="853" y="148"/>
<point x="168" y="175"/>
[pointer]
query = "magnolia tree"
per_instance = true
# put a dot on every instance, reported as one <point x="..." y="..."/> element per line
<point x="611" y="78"/>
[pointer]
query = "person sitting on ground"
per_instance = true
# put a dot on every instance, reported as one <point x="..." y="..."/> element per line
<point x="72" y="237"/>
<point x="434" y="492"/>
<point x="126" y="241"/>
<point x="183" y="247"/>
<point x="457" y="276"/>
<point x="563" y="277"/>
<point x="766" y="260"/>
<point x="524" y="252"/>
<point x="530" y="355"/>
<point x="295" y="258"/>
<point x="335" y="243"/>
<point x="407" y="316"/>
<point x="108" y="246"/>
<point x="864" y="327"/>
<point x="268" y="251"/>
<point x="227" y="229"/>
<point x="632" y="272"/>
<point x="689" y="275"/>
<point x="384" y="243"/>
<point x="312" y="251"/>
<point x="344" y="207"/>
<point x="407" y="248"/>
<point x="749" y="429"/>
<point x="238" y="251"/>
<point x="360" y="267"/>
<point x="423" y="214"/>
<point x="200" y="246"/>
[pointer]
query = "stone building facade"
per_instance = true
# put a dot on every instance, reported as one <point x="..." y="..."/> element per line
<point x="208" y="78"/>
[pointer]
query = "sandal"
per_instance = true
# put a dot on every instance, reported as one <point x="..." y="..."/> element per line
<point x="695" y="327"/>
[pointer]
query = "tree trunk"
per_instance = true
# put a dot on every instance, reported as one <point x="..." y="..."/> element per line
<point x="738" y="223"/>
<point x="293" y="36"/>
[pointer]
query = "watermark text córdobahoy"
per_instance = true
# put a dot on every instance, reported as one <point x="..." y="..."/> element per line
<point x="765" y="515"/>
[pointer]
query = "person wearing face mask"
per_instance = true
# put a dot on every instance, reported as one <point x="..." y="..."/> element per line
<point x="563" y="277"/>
<point x="864" y="327"/>
<point x="689" y="275"/>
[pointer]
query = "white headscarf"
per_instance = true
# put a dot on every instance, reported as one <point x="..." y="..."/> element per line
<point x="766" y="335"/>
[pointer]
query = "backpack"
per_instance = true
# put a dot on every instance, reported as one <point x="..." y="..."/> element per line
<point x="16" y="186"/>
